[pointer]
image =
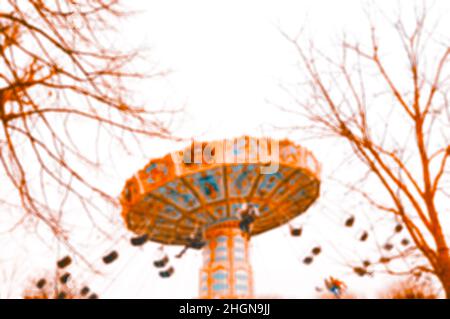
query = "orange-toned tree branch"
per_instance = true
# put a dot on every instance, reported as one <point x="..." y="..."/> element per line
<point x="58" y="68"/>
<point x="345" y="101"/>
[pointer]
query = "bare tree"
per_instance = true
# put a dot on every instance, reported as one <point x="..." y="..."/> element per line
<point x="386" y="97"/>
<point x="59" y="68"/>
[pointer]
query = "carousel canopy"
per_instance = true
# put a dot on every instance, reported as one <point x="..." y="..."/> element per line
<point x="207" y="183"/>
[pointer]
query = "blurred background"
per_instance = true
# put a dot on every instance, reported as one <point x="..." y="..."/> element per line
<point x="223" y="70"/>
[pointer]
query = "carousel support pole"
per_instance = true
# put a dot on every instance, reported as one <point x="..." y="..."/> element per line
<point x="226" y="271"/>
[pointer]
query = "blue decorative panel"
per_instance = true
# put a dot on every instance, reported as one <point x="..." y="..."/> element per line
<point x="179" y="194"/>
<point x="242" y="288"/>
<point x="220" y="275"/>
<point x="169" y="212"/>
<point x="221" y="258"/>
<point x="222" y="239"/>
<point x="210" y="184"/>
<point x="155" y="171"/>
<point x="220" y="287"/>
<point x="268" y="183"/>
<point x="240" y="179"/>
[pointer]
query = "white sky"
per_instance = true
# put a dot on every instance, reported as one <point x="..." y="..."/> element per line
<point x="228" y="59"/>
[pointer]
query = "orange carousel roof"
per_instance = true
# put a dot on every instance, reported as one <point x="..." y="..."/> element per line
<point x="206" y="184"/>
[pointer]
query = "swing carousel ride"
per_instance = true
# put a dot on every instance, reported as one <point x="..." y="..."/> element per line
<point x="200" y="197"/>
<point x="215" y="197"/>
